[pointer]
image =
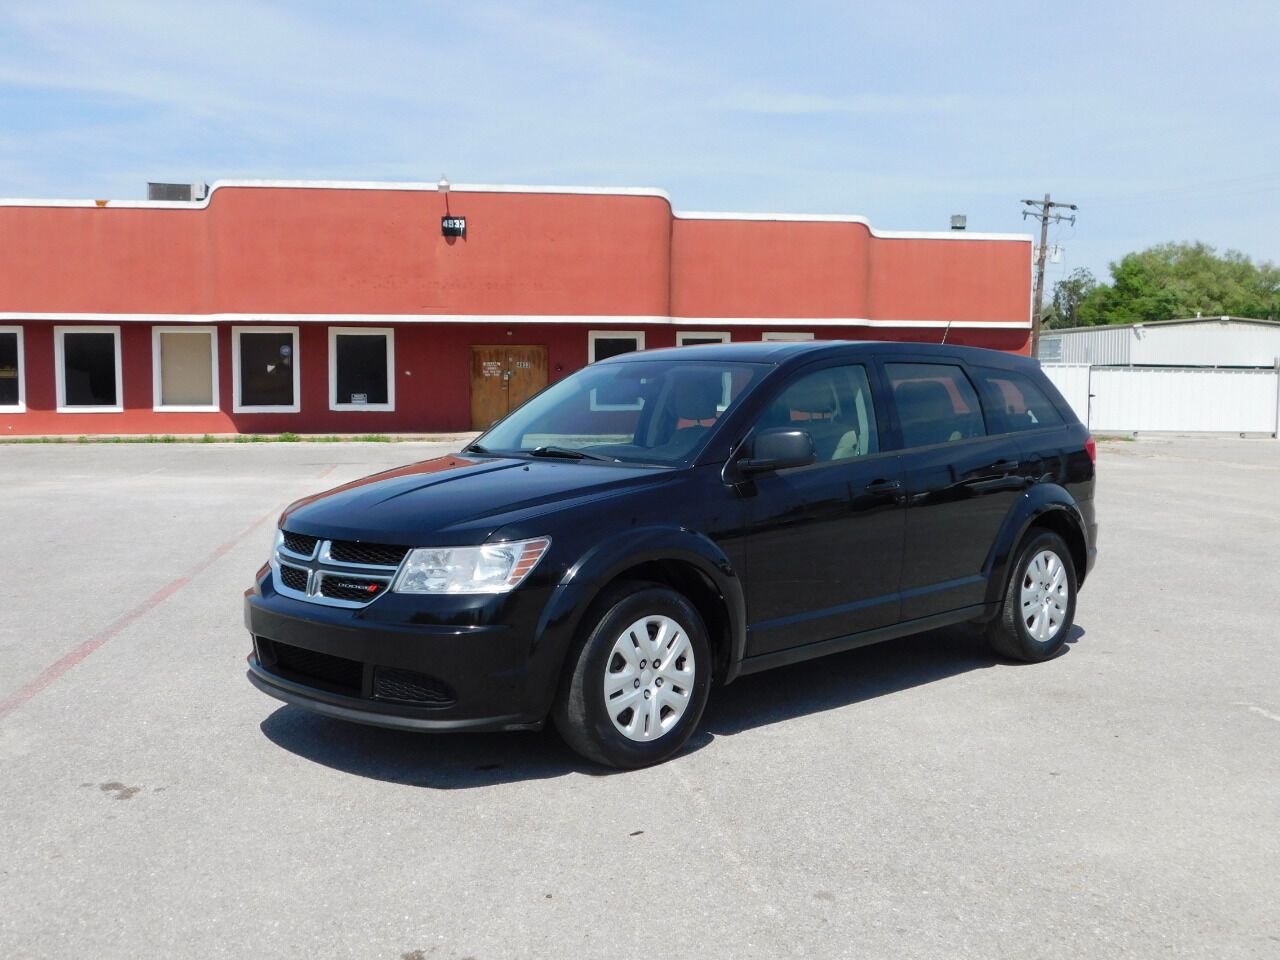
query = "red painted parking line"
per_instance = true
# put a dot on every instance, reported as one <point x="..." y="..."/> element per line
<point x="80" y="653"/>
<point x="14" y="700"/>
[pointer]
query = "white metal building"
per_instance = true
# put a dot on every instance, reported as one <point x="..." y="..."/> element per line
<point x="1213" y="375"/>
<point x="1199" y="342"/>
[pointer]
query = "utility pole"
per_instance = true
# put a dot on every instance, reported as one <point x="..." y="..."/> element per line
<point x="1044" y="214"/>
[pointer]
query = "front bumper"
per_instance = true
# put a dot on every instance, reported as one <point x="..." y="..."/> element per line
<point x="360" y="710"/>
<point x="411" y="663"/>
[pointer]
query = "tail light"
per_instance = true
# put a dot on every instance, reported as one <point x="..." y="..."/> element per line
<point x="1091" y="448"/>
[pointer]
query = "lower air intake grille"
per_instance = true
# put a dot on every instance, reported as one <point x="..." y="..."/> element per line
<point x="293" y="578"/>
<point x="410" y="687"/>
<point x="312" y="667"/>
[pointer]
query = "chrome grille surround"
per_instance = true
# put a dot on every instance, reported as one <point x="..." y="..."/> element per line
<point x="319" y="566"/>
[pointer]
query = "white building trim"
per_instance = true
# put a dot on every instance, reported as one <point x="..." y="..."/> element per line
<point x="851" y="218"/>
<point x="427" y="186"/>
<point x="348" y="319"/>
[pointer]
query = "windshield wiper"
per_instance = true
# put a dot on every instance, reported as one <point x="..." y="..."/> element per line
<point x="565" y="453"/>
<point x="475" y="448"/>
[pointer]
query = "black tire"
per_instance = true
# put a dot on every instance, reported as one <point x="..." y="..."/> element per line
<point x="581" y="713"/>
<point x="1008" y="633"/>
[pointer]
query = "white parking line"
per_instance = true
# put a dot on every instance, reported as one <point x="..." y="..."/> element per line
<point x="1258" y="710"/>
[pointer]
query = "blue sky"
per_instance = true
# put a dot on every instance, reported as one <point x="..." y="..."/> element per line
<point x="1161" y="120"/>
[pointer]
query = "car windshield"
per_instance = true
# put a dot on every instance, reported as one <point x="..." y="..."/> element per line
<point x="636" y="411"/>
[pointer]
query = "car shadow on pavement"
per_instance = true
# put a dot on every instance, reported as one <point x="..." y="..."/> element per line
<point x="844" y="679"/>
<point x="467" y="760"/>
<point x="439" y="761"/>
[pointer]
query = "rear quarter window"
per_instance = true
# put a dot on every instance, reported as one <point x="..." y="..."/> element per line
<point x="1016" y="403"/>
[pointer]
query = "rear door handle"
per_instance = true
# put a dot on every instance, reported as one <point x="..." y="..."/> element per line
<point x="1006" y="465"/>
<point x="883" y="486"/>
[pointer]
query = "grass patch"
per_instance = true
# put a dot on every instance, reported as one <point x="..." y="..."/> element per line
<point x="149" y="438"/>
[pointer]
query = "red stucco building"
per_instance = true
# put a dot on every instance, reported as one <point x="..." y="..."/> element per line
<point x="342" y="307"/>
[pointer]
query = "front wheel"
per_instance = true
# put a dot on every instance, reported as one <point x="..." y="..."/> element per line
<point x="1039" y="602"/>
<point x="637" y="680"/>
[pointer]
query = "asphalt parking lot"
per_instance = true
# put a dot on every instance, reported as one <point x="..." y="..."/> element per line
<point x="918" y="799"/>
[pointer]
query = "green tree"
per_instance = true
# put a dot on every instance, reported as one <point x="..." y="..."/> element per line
<point x="1175" y="280"/>
<point x="1068" y="295"/>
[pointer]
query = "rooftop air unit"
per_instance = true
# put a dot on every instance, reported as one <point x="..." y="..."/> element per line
<point x="179" y="192"/>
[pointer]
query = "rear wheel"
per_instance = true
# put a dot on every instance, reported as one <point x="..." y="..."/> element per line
<point x="638" y="678"/>
<point x="1039" y="601"/>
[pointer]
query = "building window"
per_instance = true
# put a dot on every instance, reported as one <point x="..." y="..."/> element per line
<point x="184" y="369"/>
<point x="265" y="369"/>
<point x="362" y="365"/>
<point x="603" y="344"/>
<point x="87" y="368"/>
<point x="787" y="335"/>
<point x="693" y="338"/>
<point x="13" y="388"/>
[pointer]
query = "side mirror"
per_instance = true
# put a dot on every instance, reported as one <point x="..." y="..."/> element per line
<point x="779" y="449"/>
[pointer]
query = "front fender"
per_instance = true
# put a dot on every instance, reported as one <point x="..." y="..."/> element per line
<point x="1040" y="500"/>
<point x="605" y="561"/>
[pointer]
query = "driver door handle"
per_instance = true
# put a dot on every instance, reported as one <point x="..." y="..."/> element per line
<point x="883" y="486"/>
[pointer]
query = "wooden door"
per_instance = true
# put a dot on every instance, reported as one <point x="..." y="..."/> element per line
<point x="502" y="378"/>
<point x="527" y="368"/>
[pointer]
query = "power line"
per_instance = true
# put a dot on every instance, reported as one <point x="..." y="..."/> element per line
<point x="1042" y="210"/>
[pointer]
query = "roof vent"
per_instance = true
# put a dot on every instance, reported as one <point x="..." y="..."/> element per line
<point x="179" y="192"/>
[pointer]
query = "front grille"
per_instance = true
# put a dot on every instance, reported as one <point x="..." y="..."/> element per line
<point x="304" y="561"/>
<point x="300" y="543"/>
<point x="312" y="667"/>
<point x="339" y="586"/>
<point x="409" y="686"/>
<point x="293" y="578"/>
<point x="373" y="554"/>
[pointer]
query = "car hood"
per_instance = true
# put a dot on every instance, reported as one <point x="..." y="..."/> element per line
<point x="457" y="500"/>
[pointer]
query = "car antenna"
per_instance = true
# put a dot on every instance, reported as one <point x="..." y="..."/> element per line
<point x="945" y="331"/>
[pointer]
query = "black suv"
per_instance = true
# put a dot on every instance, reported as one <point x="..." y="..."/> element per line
<point x="662" y="520"/>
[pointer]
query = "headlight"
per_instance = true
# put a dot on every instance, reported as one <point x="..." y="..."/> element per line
<point x="492" y="568"/>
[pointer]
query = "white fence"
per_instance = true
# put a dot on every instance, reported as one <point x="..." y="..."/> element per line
<point x="1171" y="399"/>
